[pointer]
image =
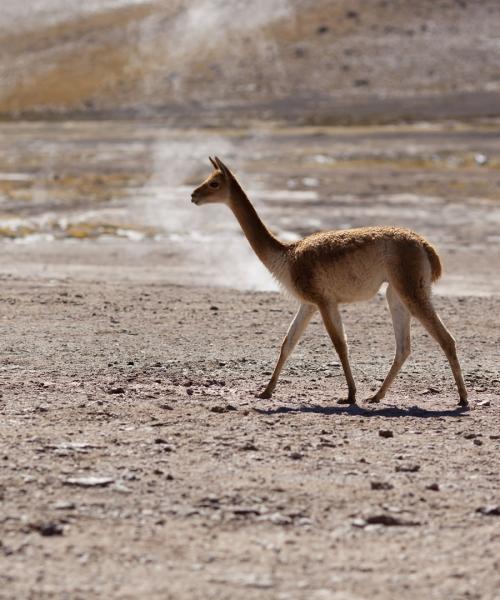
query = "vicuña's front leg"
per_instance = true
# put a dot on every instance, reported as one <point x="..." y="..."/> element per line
<point x="333" y="324"/>
<point x="296" y="329"/>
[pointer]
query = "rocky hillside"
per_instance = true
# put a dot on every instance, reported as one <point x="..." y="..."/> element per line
<point x="221" y="62"/>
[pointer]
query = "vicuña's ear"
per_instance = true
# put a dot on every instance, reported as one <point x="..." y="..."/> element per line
<point x="223" y="167"/>
<point x="214" y="164"/>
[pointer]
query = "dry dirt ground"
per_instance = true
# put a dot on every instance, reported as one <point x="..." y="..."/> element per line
<point x="137" y="463"/>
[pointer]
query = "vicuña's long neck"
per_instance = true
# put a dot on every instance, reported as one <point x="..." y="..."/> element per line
<point x="264" y="244"/>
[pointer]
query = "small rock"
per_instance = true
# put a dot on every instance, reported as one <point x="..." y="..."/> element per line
<point x="480" y="159"/>
<point x="222" y="409"/>
<point x="89" y="481"/>
<point x="493" y="510"/>
<point x="434" y="487"/>
<point x="430" y="390"/>
<point x="471" y="436"/>
<point x="116" y="390"/>
<point x="389" y="521"/>
<point x="47" y="529"/>
<point x="62" y="505"/>
<point x="279" y="519"/>
<point x="385" y="433"/>
<point x="484" y="403"/>
<point x="249" y="446"/>
<point x="244" y="511"/>
<point x="477" y="442"/>
<point x="213" y="307"/>
<point x="296" y="455"/>
<point x="381" y="485"/>
<point x="385" y="520"/>
<point x="407" y="468"/>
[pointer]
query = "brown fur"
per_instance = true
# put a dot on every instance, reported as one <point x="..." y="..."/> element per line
<point x="333" y="267"/>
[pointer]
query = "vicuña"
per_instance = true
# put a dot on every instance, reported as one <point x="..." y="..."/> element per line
<point x="329" y="268"/>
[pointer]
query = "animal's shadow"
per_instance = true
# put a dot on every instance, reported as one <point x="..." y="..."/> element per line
<point x="355" y="410"/>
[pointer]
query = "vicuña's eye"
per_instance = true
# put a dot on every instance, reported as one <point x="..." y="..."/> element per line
<point x="213" y="184"/>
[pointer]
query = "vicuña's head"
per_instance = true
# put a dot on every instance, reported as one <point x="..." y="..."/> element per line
<point x="217" y="187"/>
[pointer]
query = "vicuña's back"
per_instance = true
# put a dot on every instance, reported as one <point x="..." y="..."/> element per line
<point x="332" y="267"/>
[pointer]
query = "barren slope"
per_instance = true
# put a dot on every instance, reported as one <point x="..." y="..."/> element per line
<point x="287" y="59"/>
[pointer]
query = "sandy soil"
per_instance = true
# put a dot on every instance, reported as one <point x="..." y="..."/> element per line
<point x="136" y="461"/>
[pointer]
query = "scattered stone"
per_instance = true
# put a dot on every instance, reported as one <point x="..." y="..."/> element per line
<point x="434" y="487"/>
<point x="296" y="455"/>
<point x="381" y="485"/>
<point x="484" y="403"/>
<point x="210" y="501"/>
<point x="493" y="510"/>
<point x="430" y="390"/>
<point x="480" y="159"/>
<point x="249" y="446"/>
<point x="250" y="581"/>
<point x="477" y="442"/>
<point x="122" y="488"/>
<point x="244" y="511"/>
<point x="279" y="519"/>
<point x="213" y="307"/>
<point x="116" y="390"/>
<point x="189" y="391"/>
<point x="407" y="468"/>
<point x="385" y="433"/>
<point x="48" y="529"/>
<point x="322" y="29"/>
<point x="385" y="520"/>
<point x="62" y="505"/>
<point x="222" y="409"/>
<point x="89" y="481"/>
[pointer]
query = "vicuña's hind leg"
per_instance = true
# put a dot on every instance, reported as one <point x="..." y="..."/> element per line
<point x="296" y="329"/>
<point x="333" y="324"/>
<point x="401" y="318"/>
<point x="422" y="308"/>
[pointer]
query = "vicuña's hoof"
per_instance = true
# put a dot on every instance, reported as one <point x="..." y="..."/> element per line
<point x="464" y="403"/>
<point x="373" y="400"/>
<point x="266" y="394"/>
<point x="346" y="401"/>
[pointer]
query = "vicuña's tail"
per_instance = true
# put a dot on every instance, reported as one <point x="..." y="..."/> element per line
<point x="436" y="269"/>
